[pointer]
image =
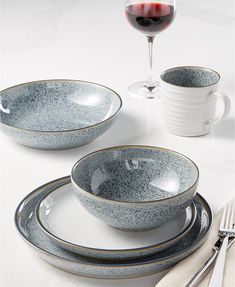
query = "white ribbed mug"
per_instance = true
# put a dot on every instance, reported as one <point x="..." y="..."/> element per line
<point x="189" y="100"/>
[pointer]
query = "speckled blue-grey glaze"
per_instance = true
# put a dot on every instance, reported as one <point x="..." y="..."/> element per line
<point x="135" y="188"/>
<point x="27" y="226"/>
<point x="57" y="114"/>
<point x="45" y="206"/>
<point x="190" y="76"/>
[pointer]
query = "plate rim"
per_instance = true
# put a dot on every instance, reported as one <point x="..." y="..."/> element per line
<point x="97" y="263"/>
<point x="63" y="242"/>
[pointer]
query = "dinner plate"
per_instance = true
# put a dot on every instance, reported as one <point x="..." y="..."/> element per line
<point x="27" y="226"/>
<point x="62" y="217"/>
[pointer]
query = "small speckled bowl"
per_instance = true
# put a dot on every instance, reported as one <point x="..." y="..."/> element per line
<point x="135" y="188"/>
<point x="57" y="114"/>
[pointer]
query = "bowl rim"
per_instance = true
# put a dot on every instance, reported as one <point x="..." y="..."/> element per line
<point x="119" y="202"/>
<point x="64" y="80"/>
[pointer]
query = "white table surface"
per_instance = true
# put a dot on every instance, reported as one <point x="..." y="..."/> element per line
<point x="91" y="40"/>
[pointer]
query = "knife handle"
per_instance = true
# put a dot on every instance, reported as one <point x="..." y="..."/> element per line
<point x="203" y="271"/>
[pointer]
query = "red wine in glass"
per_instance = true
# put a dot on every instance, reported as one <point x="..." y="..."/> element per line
<point x="150" y="17"/>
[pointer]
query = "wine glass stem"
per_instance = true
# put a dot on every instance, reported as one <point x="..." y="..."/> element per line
<point x="150" y="81"/>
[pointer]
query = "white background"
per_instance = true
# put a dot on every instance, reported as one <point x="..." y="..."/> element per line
<point x="91" y="40"/>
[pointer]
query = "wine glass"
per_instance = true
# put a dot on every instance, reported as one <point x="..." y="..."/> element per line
<point x="150" y="18"/>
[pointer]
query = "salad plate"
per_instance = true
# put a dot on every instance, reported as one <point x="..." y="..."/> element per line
<point x="39" y="241"/>
<point x="62" y="218"/>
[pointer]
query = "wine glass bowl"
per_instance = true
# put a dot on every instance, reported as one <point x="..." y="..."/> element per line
<point x="150" y="18"/>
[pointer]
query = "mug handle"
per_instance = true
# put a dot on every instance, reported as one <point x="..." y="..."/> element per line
<point x="4" y="105"/>
<point x="227" y="107"/>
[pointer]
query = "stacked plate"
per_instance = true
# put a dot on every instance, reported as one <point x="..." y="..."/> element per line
<point x="66" y="235"/>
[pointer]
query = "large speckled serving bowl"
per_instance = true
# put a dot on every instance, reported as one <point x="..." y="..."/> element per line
<point x="57" y="114"/>
<point x="135" y="188"/>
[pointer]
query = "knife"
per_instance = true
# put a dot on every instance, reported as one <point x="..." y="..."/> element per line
<point x="207" y="266"/>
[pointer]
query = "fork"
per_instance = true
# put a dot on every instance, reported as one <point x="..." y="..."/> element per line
<point x="226" y="230"/>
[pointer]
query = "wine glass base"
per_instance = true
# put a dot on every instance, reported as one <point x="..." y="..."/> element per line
<point x="142" y="91"/>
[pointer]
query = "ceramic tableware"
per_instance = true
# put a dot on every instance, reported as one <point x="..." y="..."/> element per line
<point x="135" y="188"/>
<point x="60" y="217"/>
<point x="57" y="114"/>
<point x="39" y="242"/>
<point x="190" y="96"/>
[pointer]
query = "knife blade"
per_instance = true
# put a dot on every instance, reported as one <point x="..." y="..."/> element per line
<point x="207" y="266"/>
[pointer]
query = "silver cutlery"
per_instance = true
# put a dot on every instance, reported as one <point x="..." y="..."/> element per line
<point x="226" y="230"/>
<point x="208" y="265"/>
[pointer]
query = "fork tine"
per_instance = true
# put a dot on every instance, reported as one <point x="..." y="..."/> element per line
<point x="223" y="217"/>
<point x="227" y="216"/>
<point x="232" y="216"/>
